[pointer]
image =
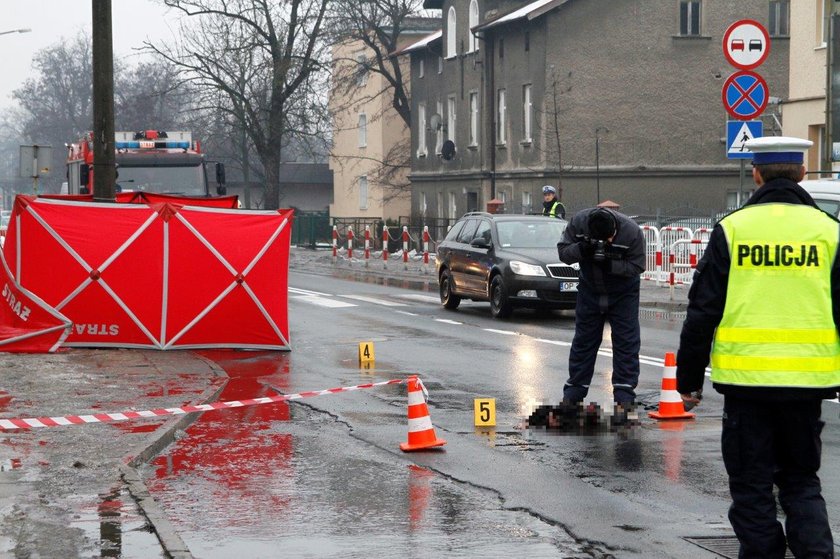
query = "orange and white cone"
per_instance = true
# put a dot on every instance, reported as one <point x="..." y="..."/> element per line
<point x="421" y="434"/>
<point x="670" y="402"/>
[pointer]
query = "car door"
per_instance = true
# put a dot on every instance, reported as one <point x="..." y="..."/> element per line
<point x="477" y="265"/>
<point x="461" y="254"/>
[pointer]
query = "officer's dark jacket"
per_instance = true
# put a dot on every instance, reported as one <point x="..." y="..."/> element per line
<point x="625" y="256"/>
<point x="707" y="298"/>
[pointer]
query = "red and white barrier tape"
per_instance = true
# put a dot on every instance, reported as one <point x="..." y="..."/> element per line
<point x="26" y="423"/>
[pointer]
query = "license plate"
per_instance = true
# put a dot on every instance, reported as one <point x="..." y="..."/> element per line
<point x="568" y="286"/>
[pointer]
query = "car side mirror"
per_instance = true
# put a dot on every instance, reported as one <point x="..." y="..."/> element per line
<point x="481" y="242"/>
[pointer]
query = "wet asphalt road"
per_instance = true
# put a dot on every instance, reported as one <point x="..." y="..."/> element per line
<point x="324" y="477"/>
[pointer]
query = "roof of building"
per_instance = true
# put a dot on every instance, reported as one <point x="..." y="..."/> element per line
<point x="530" y="11"/>
<point x="422" y="43"/>
<point x="306" y="173"/>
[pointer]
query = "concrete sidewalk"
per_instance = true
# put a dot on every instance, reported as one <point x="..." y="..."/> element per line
<point x="415" y="275"/>
<point x="61" y="488"/>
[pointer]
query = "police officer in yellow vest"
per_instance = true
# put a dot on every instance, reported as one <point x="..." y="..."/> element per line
<point x="552" y="206"/>
<point x="765" y="302"/>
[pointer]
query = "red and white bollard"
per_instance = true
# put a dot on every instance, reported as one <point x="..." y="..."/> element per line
<point x="425" y="249"/>
<point x="335" y="242"/>
<point x="367" y="245"/>
<point x="384" y="246"/>
<point x="405" y="246"/>
<point x="350" y="242"/>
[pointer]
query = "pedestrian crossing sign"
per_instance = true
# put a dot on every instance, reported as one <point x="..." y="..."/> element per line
<point x="737" y="134"/>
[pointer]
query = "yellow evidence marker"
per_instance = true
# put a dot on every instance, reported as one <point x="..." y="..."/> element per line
<point x="485" y="412"/>
<point x="366" y="352"/>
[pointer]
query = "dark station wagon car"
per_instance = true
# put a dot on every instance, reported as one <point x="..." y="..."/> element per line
<point x="508" y="260"/>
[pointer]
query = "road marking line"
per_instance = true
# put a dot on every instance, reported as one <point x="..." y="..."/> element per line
<point x="424" y="298"/>
<point x="407" y="313"/>
<point x="300" y="291"/>
<point x="373" y="300"/>
<point x="323" y="301"/>
<point x="553" y="342"/>
<point x="446" y="321"/>
<point x="505" y="332"/>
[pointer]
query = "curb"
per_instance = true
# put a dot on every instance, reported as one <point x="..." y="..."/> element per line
<point x="171" y="542"/>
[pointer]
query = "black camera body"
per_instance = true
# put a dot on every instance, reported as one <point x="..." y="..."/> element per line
<point x="599" y="253"/>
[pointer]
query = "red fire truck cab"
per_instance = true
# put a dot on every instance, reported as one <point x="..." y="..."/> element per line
<point x="148" y="161"/>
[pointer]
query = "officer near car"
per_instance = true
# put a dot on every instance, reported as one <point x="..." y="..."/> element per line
<point x="765" y="303"/>
<point x="610" y="248"/>
<point x="552" y="206"/>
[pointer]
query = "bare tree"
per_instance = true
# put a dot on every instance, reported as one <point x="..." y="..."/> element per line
<point x="258" y="55"/>
<point x="380" y="28"/>
<point x="55" y="104"/>
<point x="549" y="119"/>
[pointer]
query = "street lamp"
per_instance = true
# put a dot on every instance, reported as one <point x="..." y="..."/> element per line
<point x="27" y="30"/>
<point x="598" y="130"/>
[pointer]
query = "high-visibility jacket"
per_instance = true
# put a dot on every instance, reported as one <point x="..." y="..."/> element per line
<point x="557" y="210"/>
<point x="777" y="328"/>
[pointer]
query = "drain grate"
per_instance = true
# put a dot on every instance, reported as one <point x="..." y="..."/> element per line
<point x="725" y="546"/>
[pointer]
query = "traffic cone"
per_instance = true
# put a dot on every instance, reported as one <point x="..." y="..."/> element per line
<point x="421" y="434"/>
<point x="670" y="402"/>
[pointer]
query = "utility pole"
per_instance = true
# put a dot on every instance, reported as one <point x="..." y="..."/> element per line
<point x="832" y="86"/>
<point x="104" y="155"/>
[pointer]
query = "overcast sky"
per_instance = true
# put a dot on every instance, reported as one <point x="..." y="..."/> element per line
<point x="133" y="21"/>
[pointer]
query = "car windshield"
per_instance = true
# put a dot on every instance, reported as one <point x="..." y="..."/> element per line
<point x="530" y="233"/>
<point x="163" y="180"/>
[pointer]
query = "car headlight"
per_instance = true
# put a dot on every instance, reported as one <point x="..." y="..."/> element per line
<point x="523" y="269"/>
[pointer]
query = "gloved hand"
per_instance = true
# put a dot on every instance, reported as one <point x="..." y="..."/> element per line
<point x="692" y="399"/>
<point x="586" y="250"/>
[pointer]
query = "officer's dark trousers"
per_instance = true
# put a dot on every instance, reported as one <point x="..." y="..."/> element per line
<point x="775" y="442"/>
<point x="593" y="310"/>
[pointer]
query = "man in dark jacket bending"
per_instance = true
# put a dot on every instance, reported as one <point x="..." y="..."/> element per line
<point x="611" y="250"/>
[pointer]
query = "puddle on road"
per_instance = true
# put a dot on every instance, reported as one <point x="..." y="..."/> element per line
<point x="249" y="482"/>
<point x="114" y="522"/>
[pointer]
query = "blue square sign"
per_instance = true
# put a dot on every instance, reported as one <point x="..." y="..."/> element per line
<point x="737" y="133"/>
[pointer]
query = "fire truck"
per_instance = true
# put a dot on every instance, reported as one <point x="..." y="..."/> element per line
<point x="153" y="161"/>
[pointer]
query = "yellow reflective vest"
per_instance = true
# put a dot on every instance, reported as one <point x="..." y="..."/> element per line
<point x="777" y="328"/>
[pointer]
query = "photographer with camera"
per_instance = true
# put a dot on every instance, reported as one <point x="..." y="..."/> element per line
<point x="610" y="248"/>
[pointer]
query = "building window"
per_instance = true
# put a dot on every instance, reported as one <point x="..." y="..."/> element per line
<point x="421" y="71"/>
<point x="363" y="193"/>
<point x="473" y="40"/>
<point x="501" y="48"/>
<point x="451" y="35"/>
<point x="526" y="112"/>
<point x="822" y="21"/>
<point x="440" y="64"/>
<point x="362" y="130"/>
<point x="526" y="202"/>
<point x="423" y="205"/>
<point x="689" y="17"/>
<point x="500" y="121"/>
<point x="450" y="118"/>
<point x="527" y="41"/>
<point x="503" y="196"/>
<point x="473" y="118"/>
<point x="779" y="18"/>
<point x="361" y="69"/>
<point x="439" y="131"/>
<point x="421" y="130"/>
<point x="453" y="206"/>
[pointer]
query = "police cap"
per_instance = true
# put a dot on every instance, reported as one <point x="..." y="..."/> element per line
<point x="778" y="149"/>
<point x="548" y="189"/>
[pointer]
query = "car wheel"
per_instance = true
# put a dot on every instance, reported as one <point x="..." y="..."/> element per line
<point x="500" y="305"/>
<point x="448" y="299"/>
